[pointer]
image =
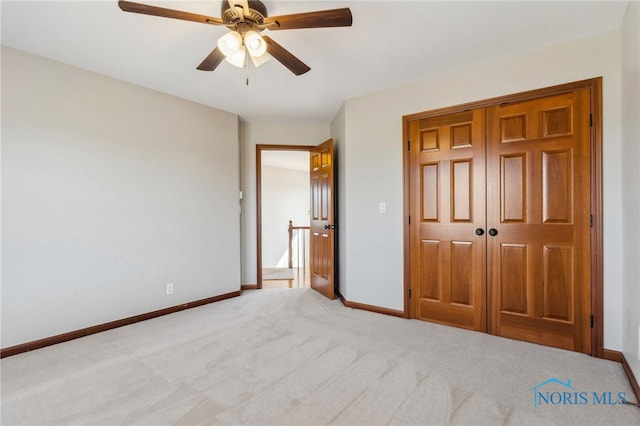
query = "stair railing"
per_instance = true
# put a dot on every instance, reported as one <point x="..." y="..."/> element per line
<point x="301" y="237"/>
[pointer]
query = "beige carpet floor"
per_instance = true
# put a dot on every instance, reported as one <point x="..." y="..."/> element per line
<point x="292" y="357"/>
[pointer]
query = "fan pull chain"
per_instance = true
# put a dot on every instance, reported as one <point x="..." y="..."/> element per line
<point x="246" y="67"/>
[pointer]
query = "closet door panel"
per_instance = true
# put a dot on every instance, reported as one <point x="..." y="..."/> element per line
<point x="538" y="202"/>
<point x="448" y="266"/>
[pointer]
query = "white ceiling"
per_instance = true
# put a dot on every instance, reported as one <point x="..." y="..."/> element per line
<point x="391" y="43"/>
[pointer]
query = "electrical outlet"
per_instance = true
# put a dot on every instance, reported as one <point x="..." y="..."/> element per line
<point x="170" y="288"/>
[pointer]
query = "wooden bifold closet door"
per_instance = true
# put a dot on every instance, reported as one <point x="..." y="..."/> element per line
<point x="448" y="273"/>
<point x="500" y="213"/>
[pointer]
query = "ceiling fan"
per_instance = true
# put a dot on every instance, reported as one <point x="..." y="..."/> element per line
<point x="246" y="19"/>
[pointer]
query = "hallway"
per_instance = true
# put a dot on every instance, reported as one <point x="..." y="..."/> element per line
<point x="301" y="279"/>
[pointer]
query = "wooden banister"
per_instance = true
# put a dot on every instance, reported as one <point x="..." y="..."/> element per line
<point x="291" y="229"/>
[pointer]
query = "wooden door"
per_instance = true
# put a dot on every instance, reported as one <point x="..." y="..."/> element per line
<point x="447" y="204"/>
<point x="538" y="192"/>
<point x="321" y="244"/>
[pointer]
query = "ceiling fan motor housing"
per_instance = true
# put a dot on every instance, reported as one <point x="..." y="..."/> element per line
<point x="233" y="15"/>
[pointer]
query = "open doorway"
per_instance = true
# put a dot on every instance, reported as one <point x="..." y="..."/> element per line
<point x="283" y="190"/>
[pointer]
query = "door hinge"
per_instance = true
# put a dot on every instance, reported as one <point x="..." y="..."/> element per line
<point x="591" y="221"/>
<point x="409" y="220"/>
<point x="590" y="120"/>
<point x="591" y="321"/>
<point x="409" y="293"/>
<point x="409" y="145"/>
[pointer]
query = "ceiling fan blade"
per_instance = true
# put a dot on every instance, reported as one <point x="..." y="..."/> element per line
<point x="285" y="57"/>
<point x="319" y="19"/>
<point x="146" y="9"/>
<point x="212" y="61"/>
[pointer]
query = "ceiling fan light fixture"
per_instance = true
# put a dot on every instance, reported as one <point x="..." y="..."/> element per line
<point x="255" y="44"/>
<point x="230" y="44"/>
<point x="238" y="58"/>
<point x="259" y="60"/>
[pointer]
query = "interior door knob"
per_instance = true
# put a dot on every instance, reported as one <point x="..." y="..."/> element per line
<point x="479" y="231"/>
<point x="493" y="232"/>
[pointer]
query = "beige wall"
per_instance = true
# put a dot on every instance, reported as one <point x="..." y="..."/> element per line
<point x="631" y="184"/>
<point x="109" y="192"/>
<point x="372" y="161"/>
<point x="258" y="133"/>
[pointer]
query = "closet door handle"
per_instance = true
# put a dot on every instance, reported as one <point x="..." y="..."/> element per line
<point x="493" y="232"/>
<point x="479" y="232"/>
